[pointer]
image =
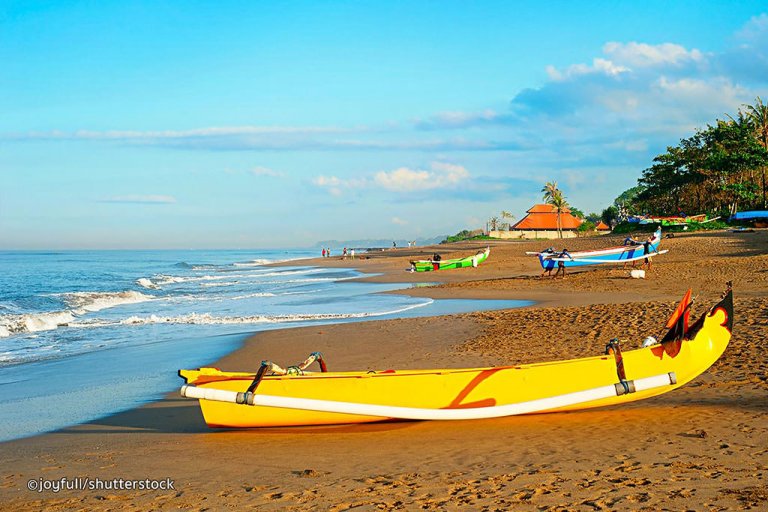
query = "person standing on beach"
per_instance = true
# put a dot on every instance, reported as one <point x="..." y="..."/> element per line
<point x="323" y="252"/>
<point x="646" y="251"/>
<point x="561" y="263"/>
<point x="352" y="253"/>
<point x="629" y="241"/>
<point x="549" y="252"/>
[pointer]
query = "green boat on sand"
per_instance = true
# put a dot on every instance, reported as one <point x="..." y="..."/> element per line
<point x="438" y="264"/>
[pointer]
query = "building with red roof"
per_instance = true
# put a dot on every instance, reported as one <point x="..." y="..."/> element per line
<point x="543" y="217"/>
<point x="541" y="222"/>
<point x="602" y="226"/>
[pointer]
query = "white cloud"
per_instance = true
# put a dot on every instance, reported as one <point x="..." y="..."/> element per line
<point x="336" y="186"/>
<point x="440" y="175"/>
<point x="623" y="58"/>
<point x="637" y="55"/>
<point x="756" y="29"/>
<point x="141" y="199"/>
<point x="599" y="66"/>
<point x="215" y="131"/>
<point x="265" y="171"/>
<point x="399" y="221"/>
<point x="457" y="119"/>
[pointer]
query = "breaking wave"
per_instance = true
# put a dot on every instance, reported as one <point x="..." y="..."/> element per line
<point x="80" y="304"/>
<point x="208" y="319"/>
<point x="83" y="302"/>
<point x="34" y="322"/>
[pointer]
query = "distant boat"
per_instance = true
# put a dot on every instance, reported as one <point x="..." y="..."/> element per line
<point x="277" y="397"/>
<point x="751" y="215"/>
<point x="620" y="254"/>
<point x="677" y="221"/>
<point x="468" y="261"/>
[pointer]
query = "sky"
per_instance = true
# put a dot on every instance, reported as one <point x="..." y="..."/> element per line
<point x="276" y="124"/>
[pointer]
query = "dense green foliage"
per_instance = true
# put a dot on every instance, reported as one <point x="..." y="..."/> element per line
<point x="634" y="227"/>
<point x="465" y="235"/>
<point x="576" y="212"/>
<point x="594" y="218"/>
<point x="719" y="170"/>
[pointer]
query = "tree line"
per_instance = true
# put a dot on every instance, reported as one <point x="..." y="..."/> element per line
<point x="719" y="170"/>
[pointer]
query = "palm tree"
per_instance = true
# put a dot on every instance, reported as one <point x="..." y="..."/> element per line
<point x="553" y="196"/>
<point x="758" y="116"/>
<point x="506" y="215"/>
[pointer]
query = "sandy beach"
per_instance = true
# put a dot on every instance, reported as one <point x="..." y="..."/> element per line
<point x="702" y="447"/>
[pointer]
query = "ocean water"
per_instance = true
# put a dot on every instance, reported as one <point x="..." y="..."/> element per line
<point x="88" y="333"/>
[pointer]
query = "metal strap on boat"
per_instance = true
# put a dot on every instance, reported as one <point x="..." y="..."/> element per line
<point x="265" y="365"/>
<point x="613" y="348"/>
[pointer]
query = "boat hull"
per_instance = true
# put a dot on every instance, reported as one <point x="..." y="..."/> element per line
<point x="469" y="261"/>
<point x="475" y="388"/>
<point x="611" y="255"/>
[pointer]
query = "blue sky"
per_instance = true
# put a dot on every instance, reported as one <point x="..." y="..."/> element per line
<point x="154" y="124"/>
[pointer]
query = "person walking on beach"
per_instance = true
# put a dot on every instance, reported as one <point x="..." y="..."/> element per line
<point x="352" y="253"/>
<point x="344" y="254"/>
<point x="561" y="263"/>
<point x="629" y="241"/>
<point x="646" y="252"/>
<point x="548" y="252"/>
<point x="323" y="252"/>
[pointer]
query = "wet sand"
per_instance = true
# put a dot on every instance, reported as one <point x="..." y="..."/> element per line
<point x="701" y="447"/>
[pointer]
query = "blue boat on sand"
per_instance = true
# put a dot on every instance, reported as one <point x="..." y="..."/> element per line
<point x="633" y="251"/>
<point x="750" y="215"/>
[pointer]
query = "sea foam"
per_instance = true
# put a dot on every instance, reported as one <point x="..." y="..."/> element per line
<point x="33" y="322"/>
<point x="83" y="302"/>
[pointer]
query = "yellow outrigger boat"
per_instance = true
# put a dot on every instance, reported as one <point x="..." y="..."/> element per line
<point x="289" y="397"/>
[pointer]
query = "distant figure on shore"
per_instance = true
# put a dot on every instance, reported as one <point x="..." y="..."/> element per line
<point x="328" y="252"/>
<point x="352" y="253"/>
<point x="394" y="245"/>
<point x="344" y="254"/>
<point x="630" y="242"/>
<point x="561" y="264"/>
<point x="646" y="251"/>
<point x="436" y="261"/>
<point x="323" y="252"/>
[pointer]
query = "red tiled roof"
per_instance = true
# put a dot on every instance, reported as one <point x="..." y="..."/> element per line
<point x="545" y="208"/>
<point x="602" y="226"/>
<point x="542" y="216"/>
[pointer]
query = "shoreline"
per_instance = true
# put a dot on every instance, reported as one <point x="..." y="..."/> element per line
<point x="530" y="462"/>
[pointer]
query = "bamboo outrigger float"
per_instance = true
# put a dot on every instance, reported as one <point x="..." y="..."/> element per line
<point x="290" y="397"/>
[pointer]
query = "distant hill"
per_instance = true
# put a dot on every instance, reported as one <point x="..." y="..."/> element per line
<point x="382" y="243"/>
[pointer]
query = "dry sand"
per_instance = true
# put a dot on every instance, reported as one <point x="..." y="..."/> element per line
<point x="702" y="447"/>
